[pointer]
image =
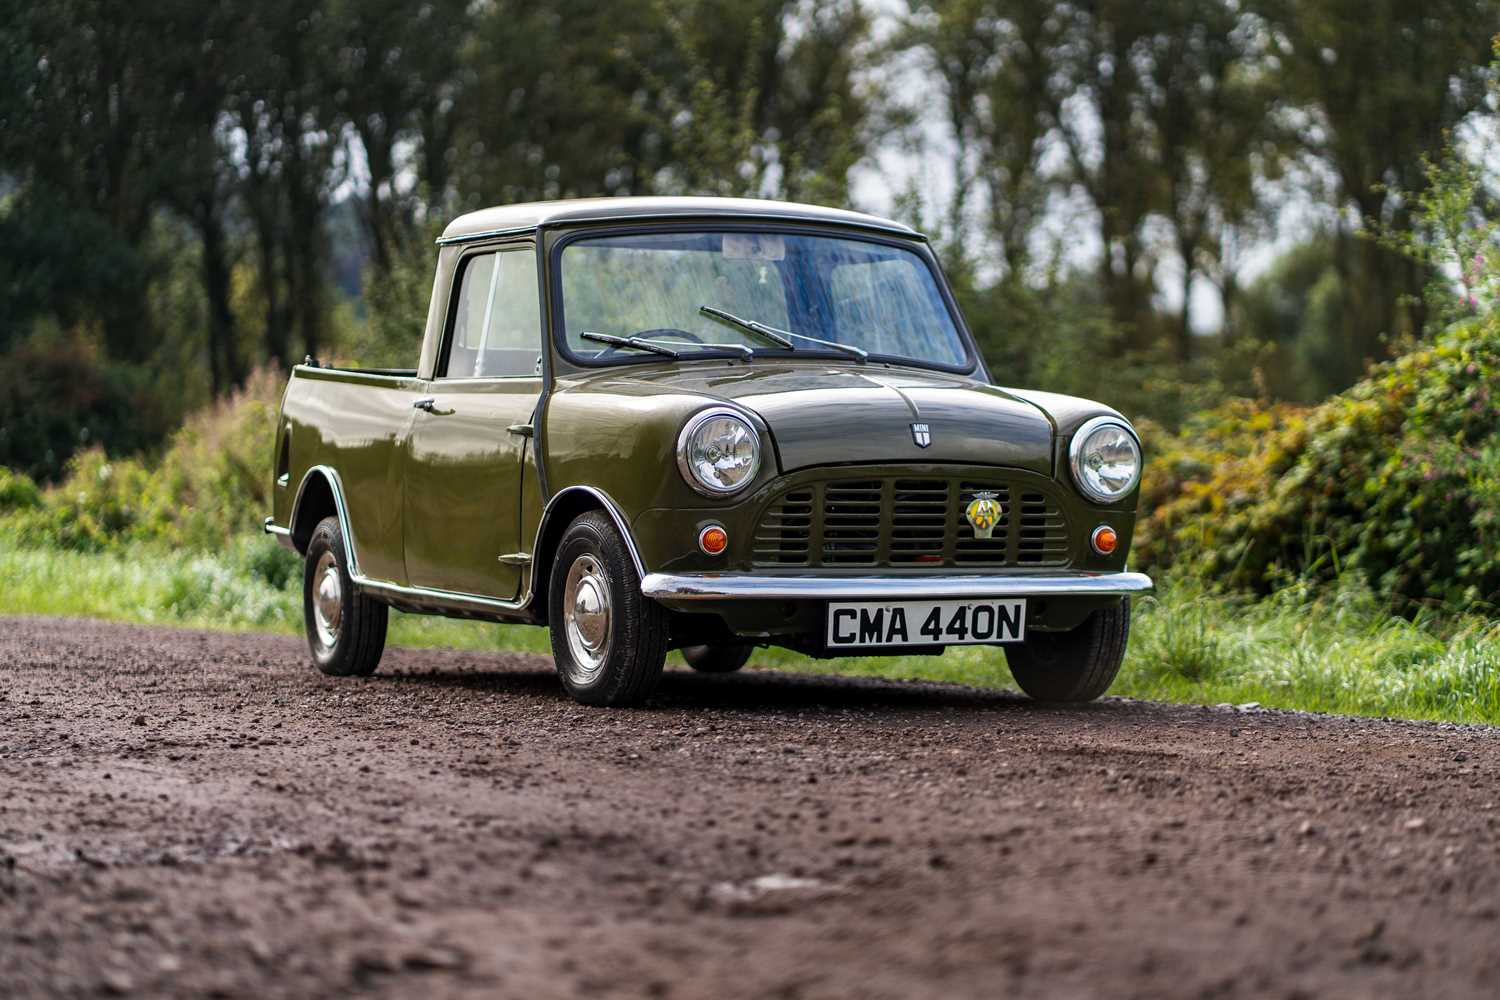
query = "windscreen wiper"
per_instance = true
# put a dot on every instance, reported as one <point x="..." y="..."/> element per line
<point x="778" y="337"/>
<point x="781" y="338"/>
<point x="666" y="348"/>
<point x="639" y="343"/>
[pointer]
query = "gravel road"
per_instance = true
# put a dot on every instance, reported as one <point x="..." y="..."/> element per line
<point x="199" y="814"/>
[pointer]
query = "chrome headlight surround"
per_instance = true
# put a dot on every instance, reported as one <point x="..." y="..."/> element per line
<point x="687" y="443"/>
<point x="1081" y="448"/>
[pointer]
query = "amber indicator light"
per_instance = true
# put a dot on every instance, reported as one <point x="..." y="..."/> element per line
<point x="1104" y="540"/>
<point x="713" y="540"/>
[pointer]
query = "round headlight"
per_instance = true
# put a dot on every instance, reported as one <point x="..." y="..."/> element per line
<point x="718" y="452"/>
<point x="1106" y="459"/>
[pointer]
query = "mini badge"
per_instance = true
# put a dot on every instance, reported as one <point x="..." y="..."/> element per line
<point x="921" y="434"/>
<point x="984" y="512"/>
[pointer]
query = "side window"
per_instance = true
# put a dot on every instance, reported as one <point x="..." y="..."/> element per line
<point x="497" y="319"/>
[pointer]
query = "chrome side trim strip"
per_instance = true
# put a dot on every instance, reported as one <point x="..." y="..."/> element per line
<point x="336" y="487"/>
<point x="422" y="595"/>
<point x="770" y="587"/>
<point x="615" y="513"/>
<point x="428" y="597"/>
<point x="445" y="598"/>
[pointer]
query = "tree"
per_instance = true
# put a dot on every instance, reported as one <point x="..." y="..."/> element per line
<point x="1207" y="97"/>
<point x="995" y="61"/>
<point x="705" y="96"/>
<point x="285" y="121"/>
<point x="1376" y="83"/>
<point x="399" y="78"/>
<point x="91" y="122"/>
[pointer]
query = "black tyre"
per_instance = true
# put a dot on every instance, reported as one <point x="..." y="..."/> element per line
<point x="1077" y="665"/>
<point x="608" y="639"/>
<point x="724" y="659"/>
<point x="345" y="629"/>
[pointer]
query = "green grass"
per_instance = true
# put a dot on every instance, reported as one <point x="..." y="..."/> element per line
<point x="1337" y="653"/>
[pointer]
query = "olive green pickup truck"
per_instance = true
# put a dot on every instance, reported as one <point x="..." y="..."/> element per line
<point x="710" y="425"/>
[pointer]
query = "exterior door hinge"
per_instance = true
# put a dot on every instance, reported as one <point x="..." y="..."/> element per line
<point x="516" y="559"/>
<point x="525" y="430"/>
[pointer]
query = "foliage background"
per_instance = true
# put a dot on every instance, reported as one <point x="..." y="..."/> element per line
<point x="1263" y="229"/>
<point x="191" y="191"/>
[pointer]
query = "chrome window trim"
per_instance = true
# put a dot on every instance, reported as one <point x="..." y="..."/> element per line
<point x="687" y="587"/>
<point x="708" y="215"/>
<point x="911" y="242"/>
<point x="489" y="234"/>
<point x="450" y="313"/>
<point x="1075" y="454"/>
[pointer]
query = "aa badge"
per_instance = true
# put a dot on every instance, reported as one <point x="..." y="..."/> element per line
<point x="984" y="512"/>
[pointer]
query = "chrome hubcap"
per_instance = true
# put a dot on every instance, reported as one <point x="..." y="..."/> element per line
<point x="328" y="601"/>
<point x="586" y="614"/>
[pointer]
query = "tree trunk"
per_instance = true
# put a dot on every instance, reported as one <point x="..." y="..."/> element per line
<point x="304" y="272"/>
<point x="267" y="240"/>
<point x="435" y="144"/>
<point x="225" y="365"/>
<point x="1185" y="326"/>
<point x="1229" y="295"/>
<point x="377" y="211"/>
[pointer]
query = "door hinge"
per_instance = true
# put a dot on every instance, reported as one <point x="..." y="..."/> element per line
<point x="516" y="559"/>
<point x="525" y="430"/>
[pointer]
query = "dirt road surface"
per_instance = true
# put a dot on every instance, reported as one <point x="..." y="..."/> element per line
<point x="198" y="814"/>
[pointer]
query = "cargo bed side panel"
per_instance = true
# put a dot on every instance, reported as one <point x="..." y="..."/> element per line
<point x="357" y="424"/>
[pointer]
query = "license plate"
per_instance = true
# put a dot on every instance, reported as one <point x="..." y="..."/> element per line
<point x="926" y="623"/>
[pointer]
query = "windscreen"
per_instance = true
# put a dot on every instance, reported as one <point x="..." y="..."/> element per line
<point x="772" y="293"/>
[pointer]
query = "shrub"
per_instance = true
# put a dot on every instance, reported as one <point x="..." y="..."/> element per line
<point x="17" y="491"/>
<point x="210" y="485"/>
<point x="1394" y="480"/>
<point x="58" y="396"/>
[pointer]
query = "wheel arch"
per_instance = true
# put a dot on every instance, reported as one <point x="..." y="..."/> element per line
<point x="321" y="495"/>
<point x="566" y="506"/>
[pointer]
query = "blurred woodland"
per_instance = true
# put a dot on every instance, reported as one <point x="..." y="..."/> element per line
<point x="1179" y="193"/>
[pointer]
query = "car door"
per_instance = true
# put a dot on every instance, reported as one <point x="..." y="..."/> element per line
<point x="466" y="449"/>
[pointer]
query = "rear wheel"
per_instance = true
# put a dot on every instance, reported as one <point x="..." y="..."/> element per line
<point x="608" y="639"/>
<point x="1077" y="665"/>
<point x="345" y="629"/>
<point x="721" y="659"/>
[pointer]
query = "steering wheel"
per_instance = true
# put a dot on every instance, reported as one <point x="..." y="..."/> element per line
<point x="656" y="331"/>
<point x="670" y="331"/>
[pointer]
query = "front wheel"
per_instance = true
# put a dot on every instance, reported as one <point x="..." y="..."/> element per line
<point x="722" y="659"/>
<point x="609" y="640"/>
<point x="1077" y="665"/>
<point x="345" y="629"/>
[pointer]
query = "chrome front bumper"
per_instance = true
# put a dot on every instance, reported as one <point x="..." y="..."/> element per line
<point x="670" y="589"/>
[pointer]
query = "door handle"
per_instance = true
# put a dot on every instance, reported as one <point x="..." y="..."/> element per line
<point x="427" y="403"/>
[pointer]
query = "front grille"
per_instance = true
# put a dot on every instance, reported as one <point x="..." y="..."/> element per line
<point x="852" y="513"/>
<point x="909" y="522"/>
<point x="785" y="530"/>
